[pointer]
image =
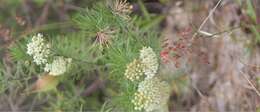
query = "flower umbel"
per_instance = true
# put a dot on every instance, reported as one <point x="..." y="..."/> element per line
<point x="152" y="95"/>
<point x="58" y="66"/>
<point x="38" y="49"/>
<point x="149" y="60"/>
<point x="134" y="70"/>
<point x="122" y="8"/>
<point x="140" y="101"/>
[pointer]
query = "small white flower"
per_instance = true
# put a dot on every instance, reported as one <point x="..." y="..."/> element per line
<point x="58" y="66"/>
<point x="38" y="49"/>
<point x="149" y="60"/>
<point x="134" y="70"/>
<point x="152" y="95"/>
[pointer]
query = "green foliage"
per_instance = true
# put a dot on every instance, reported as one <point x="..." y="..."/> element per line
<point x="2" y="79"/>
<point x="76" y="46"/>
<point x="68" y="100"/>
<point x="149" y="23"/>
<point x="122" y="51"/>
<point x="16" y="80"/>
<point x="18" y="51"/>
<point x="256" y="33"/>
<point x="95" y="20"/>
<point x="124" y="47"/>
<point x="87" y="57"/>
<point x="250" y="10"/>
<point x="40" y="2"/>
<point x="106" y="108"/>
<point x="79" y="47"/>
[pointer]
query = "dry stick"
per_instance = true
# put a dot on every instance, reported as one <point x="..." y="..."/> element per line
<point x="44" y="14"/>
<point x="197" y="90"/>
<point x="194" y="85"/>
<point x="243" y="74"/>
<point x="26" y="9"/>
<point x="196" y="33"/>
<point x="10" y="103"/>
<point x="97" y="84"/>
<point x="250" y="65"/>
<point x="215" y="35"/>
<point x="252" y="85"/>
<point x="206" y="19"/>
<point x="93" y="87"/>
<point x="61" y="11"/>
<point x="32" y="104"/>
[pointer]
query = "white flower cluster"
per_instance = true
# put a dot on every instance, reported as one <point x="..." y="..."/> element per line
<point x="152" y="95"/>
<point x="58" y="66"/>
<point x="134" y="70"/>
<point x="38" y="49"/>
<point x="150" y="62"/>
<point x="147" y="65"/>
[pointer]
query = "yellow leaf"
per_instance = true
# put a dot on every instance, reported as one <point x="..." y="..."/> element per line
<point x="45" y="83"/>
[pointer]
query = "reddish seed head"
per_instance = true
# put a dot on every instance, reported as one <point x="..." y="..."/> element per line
<point x="164" y="53"/>
<point x="173" y="49"/>
<point x="182" y="48"/>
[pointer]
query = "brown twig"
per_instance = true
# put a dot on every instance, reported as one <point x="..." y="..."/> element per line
<point x="206" y="19"/>
<point x="27" y="9"/>
<point x="44" y="14"/>
<point x="94" y="86"/>
<point x="61" y="11"/>
<point x="97" y="84"/>
<point x="251" y="84"/>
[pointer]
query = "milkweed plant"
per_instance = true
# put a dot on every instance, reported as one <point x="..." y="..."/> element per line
<point x="108" y="43"/>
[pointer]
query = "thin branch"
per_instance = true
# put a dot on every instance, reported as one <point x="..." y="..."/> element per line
<point x="249" y="65"/>
<point x="26" y="9"/>
<point x="96" y="85"/>
<point x="206" y="19"/>
<point x="44" y="14"/>
<point x="194" y="85"/>
<point x="93" y="87"/>
<point x="251" y="84"/>
<point x="214" y="35"/>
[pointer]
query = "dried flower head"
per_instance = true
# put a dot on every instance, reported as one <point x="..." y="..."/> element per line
<point x="134" y="70"/>
<point x="38" y="49"/>
<point x="58" y="66"/>
<point x="152" y="95"/>
<point x="122" y="8"/>
<point x="149" y="61"/>
<point x="104" y="37"/>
